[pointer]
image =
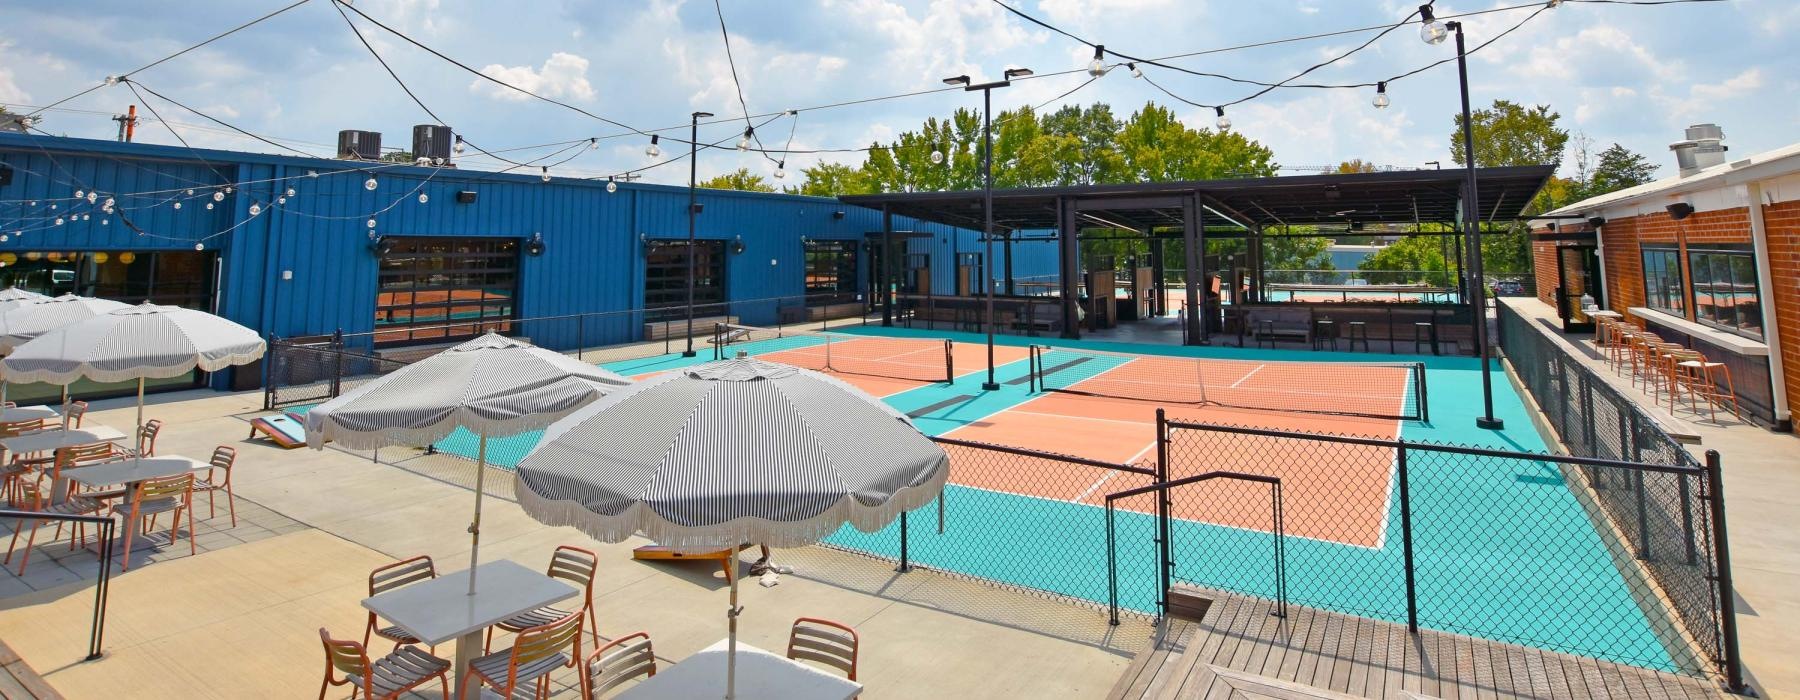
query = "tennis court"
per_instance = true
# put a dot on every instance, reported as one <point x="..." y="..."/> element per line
<point x="1038" y="524"/>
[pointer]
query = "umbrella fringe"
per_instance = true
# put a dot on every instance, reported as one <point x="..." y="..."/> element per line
<point x="84" y="370"/>
<point x="640" y="519"/>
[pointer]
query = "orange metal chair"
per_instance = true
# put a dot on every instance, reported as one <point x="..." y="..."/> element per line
<point x="535" y="654"/>
<point x="146" y="437"/>
<point x="387" y="677"/>
<point x="153" y="497"/>
<point x="575" y="565"/>
<point x="35" y="498"/>
<point x="1703" y="379"/>
<point x="823" y="641"/>
<point x="623" y="659"/>
<point x="224" y="457"/>
<point x="390" y="577"/>
<point x="77" y="411"/>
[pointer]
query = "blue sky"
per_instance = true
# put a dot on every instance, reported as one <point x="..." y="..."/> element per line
<point x="1634" y="75"/>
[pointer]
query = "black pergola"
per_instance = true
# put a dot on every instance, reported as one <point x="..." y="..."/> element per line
<point x="1247" y="206"/>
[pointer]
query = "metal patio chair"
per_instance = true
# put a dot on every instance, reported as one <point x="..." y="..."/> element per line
<point x="224" y="457"/>
<point x="387" y="578"/>
<point x="623" y="659"/>
<point x="830" y="643"/>
<point x="535" y="654"/>
<point x="575" y="565"/>
<point x="390" y="676"/>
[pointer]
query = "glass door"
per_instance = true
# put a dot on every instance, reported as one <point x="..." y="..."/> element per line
<point x="1578" y="273"/>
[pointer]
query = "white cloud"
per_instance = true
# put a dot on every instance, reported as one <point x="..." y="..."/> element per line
<point x="1733" y="87"/>
<point x="1079" y="12"/>
<point x="563" y="75"/>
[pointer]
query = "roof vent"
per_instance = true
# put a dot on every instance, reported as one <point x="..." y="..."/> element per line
<point x="359" y="145"/>
<point x="1701" y="149"/>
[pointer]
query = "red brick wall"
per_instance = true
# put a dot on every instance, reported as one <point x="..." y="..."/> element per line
<point x="1783" y="223"/>
<point x="1543" y="269"/>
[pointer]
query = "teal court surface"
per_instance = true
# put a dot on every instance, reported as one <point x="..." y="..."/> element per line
<point x="1502" y="551"/>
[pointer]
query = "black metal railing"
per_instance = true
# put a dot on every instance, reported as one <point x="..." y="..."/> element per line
<point x="1593" y="419"/>
<point x="1597" y="557"/>
<point x="102" y="582"/>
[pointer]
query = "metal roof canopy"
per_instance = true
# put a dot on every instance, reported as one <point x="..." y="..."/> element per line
<point x="1396" y="197"/>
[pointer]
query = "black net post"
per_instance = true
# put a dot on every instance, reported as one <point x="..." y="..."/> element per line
<point x="905" y="560"/>
<point x="1728" y="632"/>
<point x="271" y="371"/>
<point x="1166" y="564"/>
<point x="1406" y="539"/>
<point x="580" y="335"/>
<point x="1424" y="402"/>
<point x="1112" y="567"/>
<point x="337" y="362"/>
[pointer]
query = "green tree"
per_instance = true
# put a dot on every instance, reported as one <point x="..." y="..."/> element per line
<point x="1618" y="168"/>
<point x="740" y="179"/>
<point x="1410" y="260"/>
<point x="1508" y="134"/>
<point x="831" y="180"/>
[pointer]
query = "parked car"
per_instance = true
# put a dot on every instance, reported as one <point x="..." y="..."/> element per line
<point x="1509" y="288"/>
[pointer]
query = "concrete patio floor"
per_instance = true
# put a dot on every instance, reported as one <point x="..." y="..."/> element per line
<point x="240" y="619"/>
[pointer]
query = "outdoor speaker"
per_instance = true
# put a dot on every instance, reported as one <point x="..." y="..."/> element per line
<point x="1680" y="210"/>
<point x="698" y="207"/>
<point x="1597" y="221"/>
<point x="465" y="197"/>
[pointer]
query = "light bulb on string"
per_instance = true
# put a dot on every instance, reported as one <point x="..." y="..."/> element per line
<point x="112" y="80"/>
<point x="743" y="144"/>
<point x="255" y="209"/>
<point x="1431" y="31"/>
<point x="546" y="173"/>
<point x="178" y="206"/>
<point x="780" y="169"/>
<point x="109" y="203"/>
<point x="199" y="246"/>
<point x="104" y="221"/>
<point x="1136" y="72"/>
<point x="53" y="206"/>
<point x="209" y="206"/>
<point x="1381" y="97"/>
<point x="370" y="184"/>
<point x="371" y="223"/>
<point x="218" y="196"/>
<point x="1097" y="67"/>
<point x="289" y="192"/>
<point x="87" y="217"/>
<point x="610" y="185"/>
<point x="59" y="221"/>
<point x="1223" y="122"/>
<point x="93" y="197"/>
<point x="593" y="143"/>
<point x="312" y="173"/>
<point x="937" y="157"/>
<point x="653" y="150"/>
<point x="459" y="148"/>
<point x="281" y="200"/>
<point x="80" y="194"/>
<point x="423" y="198"/>
<point x="228" y="189"/>
<point x="190" y="192"/>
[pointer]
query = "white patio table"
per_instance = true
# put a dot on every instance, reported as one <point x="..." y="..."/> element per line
<point x="50" y="440"/>
<point x="128" y="472"/>
<point x="19" y="413"/>
<point x="443" y="609"/>
<point x="761" y="675"/>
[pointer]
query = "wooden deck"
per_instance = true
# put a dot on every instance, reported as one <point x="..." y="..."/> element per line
<point x="18" y="681"/>
<point x="1239" y="650"/>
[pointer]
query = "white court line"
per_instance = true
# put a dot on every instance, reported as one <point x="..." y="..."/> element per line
<point x="1247" y="376"/>
<point x="1111" y="473"/>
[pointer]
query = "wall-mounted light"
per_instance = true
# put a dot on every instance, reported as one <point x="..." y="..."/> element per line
<point x="535" y="246"/>
<point x="737" y="245"/>
<point x="1597" y="221"/>
<point x="699" y="207"/>
<point x="465" y="197"/>
<point x="805" y="241"/>
<point x="380" y="245"/>
<point x="1680" y="210"/>
<point x="837" y="214"/>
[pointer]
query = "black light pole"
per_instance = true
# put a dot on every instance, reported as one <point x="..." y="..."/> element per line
<point x="987" y="196"/>
<point x="1471" y="212"/>
<point x="693" y="210"/>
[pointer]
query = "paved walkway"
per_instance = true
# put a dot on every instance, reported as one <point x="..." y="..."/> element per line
<point x="1762" y="500"/>
<point x="241" y="619"/>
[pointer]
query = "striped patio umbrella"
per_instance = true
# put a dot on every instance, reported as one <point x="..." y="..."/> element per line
<point x="33" y="318"/>
<point x="12" y="298"/>
<point x="492" y="386"/>
<point x="730" y="452"/>
<point x="147" y="341"/>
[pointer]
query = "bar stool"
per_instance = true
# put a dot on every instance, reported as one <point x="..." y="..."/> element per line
<point x="1670" y="365"/>
<point x="1424" y="331"/>
<point x="1324" y="330"/>
<point x="1703" y="377"/>
<point x="1265" y="331"/>
<point x="1355" y="331"/>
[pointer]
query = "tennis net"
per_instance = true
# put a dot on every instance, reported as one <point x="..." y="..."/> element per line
<point x="1372" y="389"/>
<point x="919" y="359"/>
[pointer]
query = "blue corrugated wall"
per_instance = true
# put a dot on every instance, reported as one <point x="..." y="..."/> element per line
<point x="593" y="260"/>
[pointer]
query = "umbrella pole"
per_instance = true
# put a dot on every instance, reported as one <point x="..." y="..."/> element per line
<point x="139" y="429"/>
<point x="731" y="643"/>
<point x="65" y="410"/>
<point x="475" y="527"/>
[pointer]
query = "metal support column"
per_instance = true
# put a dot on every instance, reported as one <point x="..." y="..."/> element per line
<point x="1159" y="305"/>
<point x="1068" y="254"/>
<point x="1192" y="329"/>
<point x="884" y="253"/>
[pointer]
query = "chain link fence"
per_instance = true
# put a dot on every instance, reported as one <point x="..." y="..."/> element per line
<point x="1602" y="558"/>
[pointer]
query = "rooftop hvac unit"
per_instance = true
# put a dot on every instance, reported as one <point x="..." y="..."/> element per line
<point x="1701" y="150"/>
<point x="359" y="145"/>
<point x="432" y="141"/>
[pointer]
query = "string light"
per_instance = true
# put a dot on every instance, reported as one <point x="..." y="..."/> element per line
<point x="255" y="209"/>
<point x="370" y="184"/>
<point x="1431" y="30"/>
<point x="1136" y="72"/>
<point x="228" y="189"/>
<point x="1381" y="96"/>
<point x="92" y="197"/>
<point x="1223" y="122"/>
<point x="780" y="169"/>
<point x="281" y="200"/>
<point x="423" y="198"/>
<point x="178" y="206"/>
<point x="371" y="223"/>
<point x="209" y="206"/>
<point x="653" y="150"/>
<point x="546" y="173"/>
<point x="112" y="80"/>
<point x="289" y="192"/>
<point x="59" y="221"/>
<point x="218" y="196"/>
<point x="937" y="157"/>
<point x="610" y="185"/>
<point x="459" y="148"/>
<point x="743" y="144"/>
<point x="593" y="143"/>
<point x="1097" y="67"/>
<point x="199" y="246"/>
<point x="79" y="194"/>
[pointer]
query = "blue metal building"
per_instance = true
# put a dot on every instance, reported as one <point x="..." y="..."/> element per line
<point x="337" y="254"/>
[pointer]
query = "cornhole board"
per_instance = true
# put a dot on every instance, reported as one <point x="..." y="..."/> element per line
<point x="285" y="430"/>
<point x="725" y="557"/>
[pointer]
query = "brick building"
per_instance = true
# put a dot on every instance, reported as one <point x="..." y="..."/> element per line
<point x="1709" y="258"/>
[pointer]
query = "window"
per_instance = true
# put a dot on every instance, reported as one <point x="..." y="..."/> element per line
<point x="830" y="272"/>
<point x="440" y="289"/>
<point x="1662" y="280"/>
<point x="1725" y="293"/>
<point x="666" y="270"/>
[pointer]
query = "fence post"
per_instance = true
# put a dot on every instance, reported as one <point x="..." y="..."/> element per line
<point x="270" y="370"/>
<point x="96" y="641"/>
<point x="905" y="561"/>
<point x="1164" y="547"/>
<point x="580" y="335"/>
<point x="1112" y="569"/>
<point x="1406" y="539"/>
<point x="1587" y="414"/>
<point x="337" y="362"/>
<point x="1728" y="635"/>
